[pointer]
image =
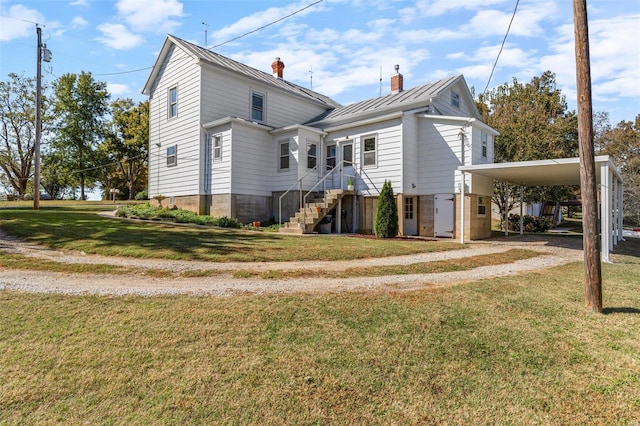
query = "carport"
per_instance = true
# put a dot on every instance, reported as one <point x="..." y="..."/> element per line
<point x="563" y="171"/>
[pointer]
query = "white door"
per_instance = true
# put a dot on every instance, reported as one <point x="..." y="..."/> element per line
<point x="410" y="216"/>
<point x="444" y="215"/>
<point x="346" y="156"/>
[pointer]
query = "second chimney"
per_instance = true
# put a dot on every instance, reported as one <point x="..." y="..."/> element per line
<point x="278" y="68"/>
<point x="396" y="81"/>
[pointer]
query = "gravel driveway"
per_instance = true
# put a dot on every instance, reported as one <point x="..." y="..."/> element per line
<point x="558" y="250"/>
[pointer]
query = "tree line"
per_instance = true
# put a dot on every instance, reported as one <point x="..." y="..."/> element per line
<point x="88" y="141"/>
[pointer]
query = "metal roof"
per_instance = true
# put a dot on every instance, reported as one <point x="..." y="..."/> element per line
<point x="222" y="61"/>
<point x="407" y="99"/>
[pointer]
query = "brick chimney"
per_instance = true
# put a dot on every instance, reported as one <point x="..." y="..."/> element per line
<point x="278" y="68"/>
<point x="396" y="81"/>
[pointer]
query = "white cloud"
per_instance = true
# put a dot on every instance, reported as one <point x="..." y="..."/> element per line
<point x="151" y="15"/>
<point x="84" y="3"/>
<point x="78" y="22"/>
<point x="13" y="25"/>
<point x="431" y="8"/>
<point x="118" y="37"/>
<point x="117" y="89"/>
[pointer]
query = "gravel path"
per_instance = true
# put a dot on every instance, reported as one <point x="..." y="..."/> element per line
<point x="557" y="251"/>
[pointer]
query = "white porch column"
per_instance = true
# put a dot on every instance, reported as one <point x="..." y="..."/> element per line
<point x="521" y="216"/>
<point x="605" y="211"/>
<point x="620" y="210"/>
<point x="462" y="210"/>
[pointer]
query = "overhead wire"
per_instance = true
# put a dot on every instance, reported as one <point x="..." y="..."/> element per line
<point x="501" y="46"/>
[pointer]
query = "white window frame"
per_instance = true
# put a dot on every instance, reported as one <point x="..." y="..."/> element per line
<point x="172" y="104"/>
<point x="409" y="206"/>
<point x="216" y="144"/>
<point x="482" y="205"/>
<point x="484" y="138"/>
<point x="282" y="156"/>
<point x="455" y="99"/>
<point x="254" y="108"/>
<point x="172" y="155"/>
<point x="312" y="154"/>
<point x="374" y="151"/>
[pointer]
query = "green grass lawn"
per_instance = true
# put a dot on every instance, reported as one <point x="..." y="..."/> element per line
<point x="79" y="228"/>
<point x="512" y="350"/>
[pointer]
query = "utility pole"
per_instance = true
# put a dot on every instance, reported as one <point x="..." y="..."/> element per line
<point x="592" y="266"/>
<point x="36" y="173"/>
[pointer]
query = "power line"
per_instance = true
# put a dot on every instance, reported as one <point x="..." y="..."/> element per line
<point x="501" y="46"/>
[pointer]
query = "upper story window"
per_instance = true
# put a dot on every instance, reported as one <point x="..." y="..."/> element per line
<point x="173" y="102"/>
<point x="217" y="147"/>
<point x="257" y="106"/>
<point x="312" y="155"/>
<point x="370" y="151"/>
<point x="455" y="99"/>
<point x="172" y="155"/>
<point x="484" y="138"/>
<point x="284" y="156"/>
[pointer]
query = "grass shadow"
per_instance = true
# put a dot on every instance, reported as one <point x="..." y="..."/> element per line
<point x="620" y="310"/>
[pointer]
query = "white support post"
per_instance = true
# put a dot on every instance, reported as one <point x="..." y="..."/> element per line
<point x="462" y="210"/>
<point x="521" y="215"/>
<point x="620" y="210"/>
<point x="605" y="211"/>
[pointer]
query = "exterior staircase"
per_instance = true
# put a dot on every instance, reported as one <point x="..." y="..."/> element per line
<point x="310" y="215"/>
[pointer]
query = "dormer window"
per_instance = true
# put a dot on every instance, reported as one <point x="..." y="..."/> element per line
<point x="455" y="100"/>
<point x="257" y="107"/>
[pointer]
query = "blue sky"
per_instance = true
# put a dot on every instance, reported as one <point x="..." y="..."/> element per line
<point x="347" y="44"/>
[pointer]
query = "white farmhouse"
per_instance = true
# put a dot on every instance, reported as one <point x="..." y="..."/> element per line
<point x="227" y="139"/>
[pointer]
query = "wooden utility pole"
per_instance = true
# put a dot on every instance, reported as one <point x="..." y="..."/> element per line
<point x="36" y="172"/>
<point x="592" y="267"/>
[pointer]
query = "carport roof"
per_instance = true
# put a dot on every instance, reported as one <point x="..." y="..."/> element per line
<point x="561" y="171"/>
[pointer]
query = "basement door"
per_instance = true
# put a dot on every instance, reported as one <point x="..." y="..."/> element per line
<point x="410" y="216"/>
<point x="443" y="217"/>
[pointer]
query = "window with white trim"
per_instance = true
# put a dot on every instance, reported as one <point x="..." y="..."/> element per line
<point x="217" y="147"/>
<point x="330" y="160"/>
<point x="408" y="208"/>
<point x="172" y="155"/>
<point x="173" y="102"/>
<point x="257" y="106"/>
<point x="484" y="138"/>
<point x="455" y="99"/>
<point x="284" y="156"/>
<point x="482" y="206"/>
<point x="312" y="155"/>
<point x="370" y="151"/>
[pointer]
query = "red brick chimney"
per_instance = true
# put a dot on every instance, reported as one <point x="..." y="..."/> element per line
<point x="396" y="81"/>
<point x="278" y="68"/>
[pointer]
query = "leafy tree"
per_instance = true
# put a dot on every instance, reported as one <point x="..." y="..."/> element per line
<point x="80" y="108"/>
<point x="622" y="143"/>
<point x="534" y="124"/>
<point x="126" y="146"/>
<point x="18" y="131"/>
<point x="54" y="178"/>
<point x="386" y="221"/>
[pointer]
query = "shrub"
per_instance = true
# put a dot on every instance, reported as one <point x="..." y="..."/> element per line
<point x="146" y="211"/>
<point x="142" y="195"/>
<point x="386" y="222"/>
<point x="530" y="223"/>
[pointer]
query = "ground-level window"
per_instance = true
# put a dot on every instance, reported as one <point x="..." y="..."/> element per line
<point x="217" y="147"/>
<point x="330" y="160"/>
<point x="284" y="156"/>
<point x="172" y="155"/>
<point x="257" y="106"/>
<point x="485" y="138"/>
<point x="369" y="149"/>
<point x="408" y="208"/>
<point x="482" y="206"/>
<point x="173" y="102"/>
<point x="312" y="155"/>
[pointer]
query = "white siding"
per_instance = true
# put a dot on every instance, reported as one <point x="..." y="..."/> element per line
<point x="253" y="161"/>
<point x="227" y="95"/>
<point x="220" y="174"/>
<point x="443" y="105"/>
<point x="389" y="163"/>
<point x="439" y="154"/>
<point x="410" y="154"/>
<point x="182" y="131"/>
